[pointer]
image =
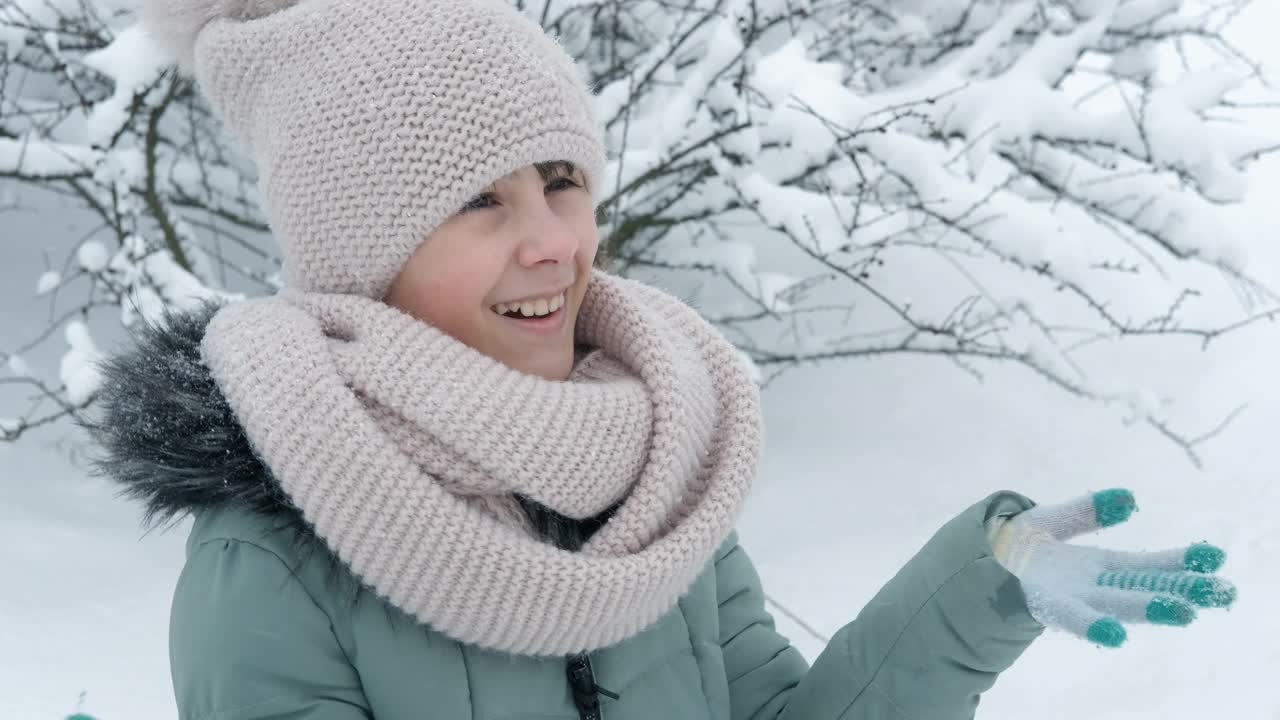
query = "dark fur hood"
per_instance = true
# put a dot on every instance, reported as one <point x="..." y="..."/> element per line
<point x="164" y="431"/>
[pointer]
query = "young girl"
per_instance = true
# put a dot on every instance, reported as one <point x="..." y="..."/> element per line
<point x="454" y="471"/>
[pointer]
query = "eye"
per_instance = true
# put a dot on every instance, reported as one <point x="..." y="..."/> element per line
<point x="562" y="183"/>
<point x="479" y="202"/>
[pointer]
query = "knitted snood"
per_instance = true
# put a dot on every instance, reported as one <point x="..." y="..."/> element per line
<point x="386" y="432"/>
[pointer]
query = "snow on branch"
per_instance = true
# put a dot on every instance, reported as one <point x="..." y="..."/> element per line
<point x="982" y="181"/>
<point x="977" y="181"/>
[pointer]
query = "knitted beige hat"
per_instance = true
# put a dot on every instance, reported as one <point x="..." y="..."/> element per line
<point x="373" y="121"/>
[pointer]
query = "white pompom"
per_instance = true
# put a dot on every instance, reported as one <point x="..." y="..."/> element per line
<point x="175" y="24"/>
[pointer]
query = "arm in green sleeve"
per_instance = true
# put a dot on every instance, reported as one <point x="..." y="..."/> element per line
<point x="247" y="642"/>
<point x="762" y="667"/>
<point x="926" y="647"/>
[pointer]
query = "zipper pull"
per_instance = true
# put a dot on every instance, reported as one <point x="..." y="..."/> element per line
<point x="582" y="683"/>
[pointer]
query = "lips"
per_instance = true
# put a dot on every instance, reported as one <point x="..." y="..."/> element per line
<point x="550" y="324"/>
<point x="531" y="308"/>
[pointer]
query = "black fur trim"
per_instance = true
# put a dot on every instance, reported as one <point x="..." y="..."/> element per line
<point x="165" y="432"/>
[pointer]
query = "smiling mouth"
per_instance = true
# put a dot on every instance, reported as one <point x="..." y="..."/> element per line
<point x="545" y="317"/>
<point x="532" y="309"/>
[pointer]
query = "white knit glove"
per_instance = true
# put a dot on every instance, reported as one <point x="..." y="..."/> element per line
<point x="1090" y="591"/>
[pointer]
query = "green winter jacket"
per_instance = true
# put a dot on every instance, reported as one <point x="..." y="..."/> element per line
<point x="266" y="623"/>
<point x="260" y="630"/>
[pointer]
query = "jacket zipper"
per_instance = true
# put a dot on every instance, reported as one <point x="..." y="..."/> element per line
<point x="582" y="683"/>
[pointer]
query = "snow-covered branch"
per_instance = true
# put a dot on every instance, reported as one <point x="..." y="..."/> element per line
<point x="983" y="181"/>
<point x="977" y="181"/>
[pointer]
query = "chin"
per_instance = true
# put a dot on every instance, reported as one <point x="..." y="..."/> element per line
<point x="557" y="368"/>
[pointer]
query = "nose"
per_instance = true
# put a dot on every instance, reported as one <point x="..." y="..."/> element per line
<point x="547" y="236"/>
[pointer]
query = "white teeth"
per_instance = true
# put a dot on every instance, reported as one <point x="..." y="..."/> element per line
<point x="542" y="306"/>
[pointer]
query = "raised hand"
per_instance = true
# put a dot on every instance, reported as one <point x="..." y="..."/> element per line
<point x="1089" y="591"/>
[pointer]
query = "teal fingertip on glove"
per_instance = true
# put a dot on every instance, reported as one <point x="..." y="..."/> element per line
<point x="1092" y="592"/>
<point x="1203" y="557"/>
<point x="1107" y="632"/>
<point x="1170" y="611"/>
<point x="1212" y="592"/>
<point x="1112" y="507"/>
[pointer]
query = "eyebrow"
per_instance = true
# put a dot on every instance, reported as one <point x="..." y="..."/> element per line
<point x="558" y="168"/>
<point x="547" y="170"/>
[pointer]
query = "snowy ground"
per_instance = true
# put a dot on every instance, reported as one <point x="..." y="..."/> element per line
<point x="846" y="496"/>
<point x="863" y="462"/>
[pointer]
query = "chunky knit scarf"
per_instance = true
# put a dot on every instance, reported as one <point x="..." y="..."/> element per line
<point x="398" y="442"/>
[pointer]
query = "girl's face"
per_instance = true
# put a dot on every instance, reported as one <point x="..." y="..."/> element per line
<point x="524" y="246"/>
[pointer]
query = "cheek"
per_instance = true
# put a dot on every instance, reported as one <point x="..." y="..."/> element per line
<point x="589" y="243"/>
<point x="452" y="303"/>
<point x="444" y="291"/>
<point x="451" y="299"/>
<point x="590" y="246"/>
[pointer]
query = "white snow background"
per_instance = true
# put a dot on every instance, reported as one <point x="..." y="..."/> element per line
<point x="863" y="462"/>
